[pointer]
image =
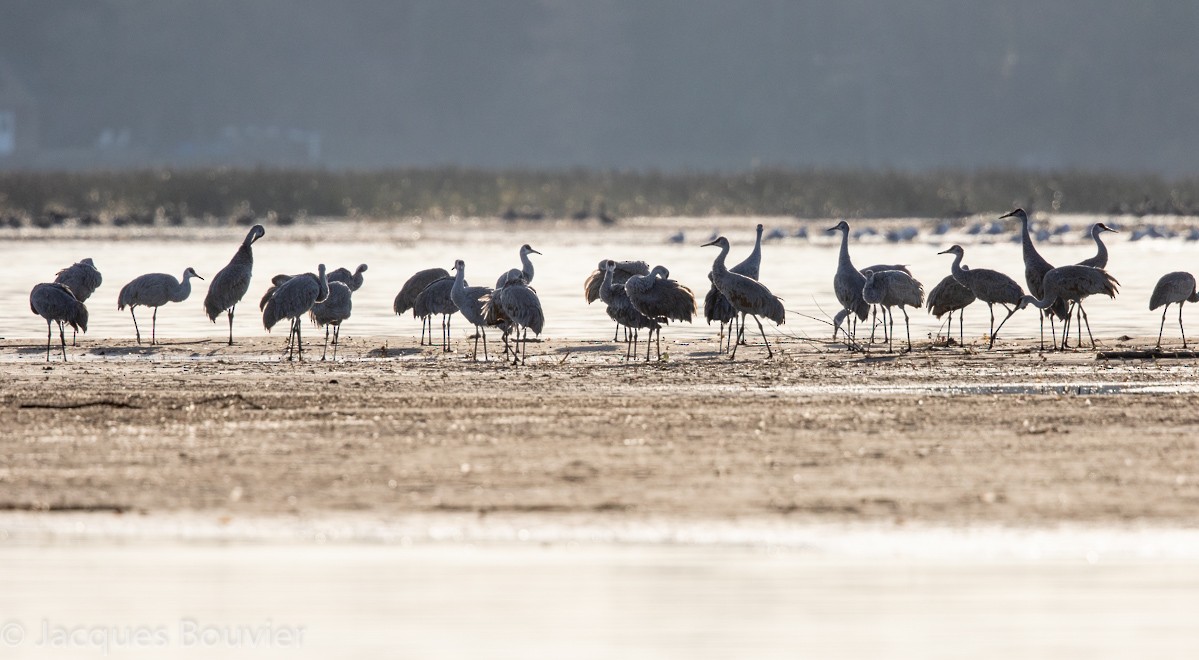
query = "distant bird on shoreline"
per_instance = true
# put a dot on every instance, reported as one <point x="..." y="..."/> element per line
<point x="154" y="290"/>
<point x="57" y="304"/>
<point x="231" y="283"/>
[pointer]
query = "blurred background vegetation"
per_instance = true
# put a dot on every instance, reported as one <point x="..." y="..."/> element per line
<point x="536" y="194"/>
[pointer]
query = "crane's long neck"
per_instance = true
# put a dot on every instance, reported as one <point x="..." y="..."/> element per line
<point x="184" y="289"/>
<point x="1026" y="239"/>
<point x="718" y="264"/>
<point x="606" y="287"/>
<point x="844" y="258"/>
<point x="1101" y="253"/>
<point x="958" y="272"/>
<point x="526" y="266"/>
<point x="756" y="254"/>
<point x="323" y="282"/>
<point x="460" y="279"/>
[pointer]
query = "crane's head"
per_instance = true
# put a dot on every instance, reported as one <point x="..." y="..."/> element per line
<point x="955" y="249"/>
<point x="720" y="242"/>
<point x="191" y="272"/>
<point x="459" y="265"/>
<point x="256" y="232"/>
<point x="526" y="249"/>
<point x="841" y="226"/>
<point x="88" y="261"/>
<point x="660" y="271"/>
<point x="1100" y="227"/>
<point x="320" y="268"/>
<point x="1018" y="214"/>
<point x="280" y="279"/>
<point x="761" y="228"/>
<point x="360" y="270"/>
<point x="608" y="264"/>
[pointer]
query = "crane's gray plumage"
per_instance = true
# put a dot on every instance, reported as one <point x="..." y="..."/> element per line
<point x="746" y="295"/>
<point x="621" y="310"/>
<point x="56" y="303"/>
<point x="989" y="286"/>
<point x="231" y="283"/>
<point x="717" y="307"/>
<point x="515" y="307"/>
<point x="847" y="285"/>
<point x="1177" y="287"/>
<point x="1035" y="268"/>
<point x="947" y="297"/>
<point x="83" y="278"/>
<point x="623" y="271"/>
<point x="660" y="298"/>
<point x="275" y="282"/>
<point x="526" y="266"/>
<point x="437" y="298"/>
<point x="353" y="280"/>
<point x="1100" y="258"/>
<point x="893" y="288"/>
<point x="406" y="298"/>
<point x="154" y="290"/>
<point x="292" y="299"/>
<point x="1072" y="284"/>
<point x="469" y="300"/>
<point x="330" y="312"/>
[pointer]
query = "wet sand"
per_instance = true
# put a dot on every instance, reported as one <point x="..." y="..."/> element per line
<point x="942" y="436"/>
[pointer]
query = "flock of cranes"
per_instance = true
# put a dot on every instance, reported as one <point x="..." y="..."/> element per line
<point x="636" y="297"/>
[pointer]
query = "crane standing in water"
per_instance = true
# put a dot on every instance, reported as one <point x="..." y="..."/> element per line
<point x="989" y="286"/>
<point x="747" y="296"/>
<point x="292" y="299"/>
<point x="154" y="290"/>
<point x="231" y="283"/>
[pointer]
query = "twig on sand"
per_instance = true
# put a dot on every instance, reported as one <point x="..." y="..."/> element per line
<point x="73" y="406"/>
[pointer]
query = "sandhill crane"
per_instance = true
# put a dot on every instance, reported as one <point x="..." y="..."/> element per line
<point x="877" y="268"/>
<point x="154" y="290"/>
<point x="352" y="280"/>
<point x="1177" y="287"/>
<point x="1072" y="284"/>
<point x="526" y="266"/>
<point x="847" y="285"/>
<point x="56" y="303"/>
<point x="948" y="297"/>
<point x="469" y="301"/>
<point x="330" y="312"/>
<point x="292" y="299"/>
<point x="232" y="282"/>
<point x="621" y="310"/>
<point x="514" y="305"/>
<point x="717" y="307"/>
<point x="437" y="299"/>
<point x="1100" y="258"/>
<point x="83" y="278"/>
<point x="989" y="286"/>
<point x="746" y="295"/>
<point x="623" y="271"/>
<point x="406" y="298"/>
<point x="890" y="288"/>
<point x="660" y="298"/>
<point x="1035" y="268"/>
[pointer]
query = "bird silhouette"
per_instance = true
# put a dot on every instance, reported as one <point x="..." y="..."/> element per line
<point x="948" y="297"/>
<point x="1100" y="258"/>
<point x="1035" y="268"/>
<point x="435" y="299"/>
<point x="660" y="298"/>
<point x="352" y="280"/>
<point x="154" y="290"/>
<point x="231" y="283"/>
<point x="621" y="310"/>
<point x="1177" y="287"/>
<point x="83" y="278"/>
<point x="746" y="295"/>
<point x="847" y="285"/>
<point x="56" y="303"/>
<point x="330" y="312"/>
<point x="891" y="288"/>
<point x="469" y="300"/>
<point x="718" y="308"/>
<point x="989" y="286"/>
<point x="1072" y="284"/>
<point x="292" y="299"/>
<point x="623" y="271"/>
<point x="526" y="266"/>
<point x="406" y="298"/>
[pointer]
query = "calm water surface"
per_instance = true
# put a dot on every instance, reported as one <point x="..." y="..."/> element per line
<point x="798" y="270"/>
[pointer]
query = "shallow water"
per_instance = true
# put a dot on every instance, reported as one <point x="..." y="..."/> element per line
<point x="798" y="270"/>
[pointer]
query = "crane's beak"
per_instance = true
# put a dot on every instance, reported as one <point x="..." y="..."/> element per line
<point x="535" y="251"/>
<point x="197" y="276"/>
<point x="1009" y="214"/>
<point x="944" y="252"/>
<point x="707" y="244"/>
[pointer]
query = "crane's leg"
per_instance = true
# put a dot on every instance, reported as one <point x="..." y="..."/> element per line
<point x="1043" y="331"/>
<point x="616" y="333"/>
<point x="49" y="334"/>
<point x="889" y="328"/>
<point x="961" y="326"/>
<point x="769" y="353"/>
<point x="1087" y="322"/>
<point x="659" y="344"/>
<point x="1184" y="332"/>
<point x="873" y="322"/>
<point x="734" y="355"/>
<point x="154" y="327"/>
<point x="907" y="326"/>
<point x="62" y="337"/>
<point x="485" y="357"/>
<point x="336" y="340"/>
<point x="325" y="350"/>
<point x="1162" y="327"/>
<point x="135" y="330"/>
<point x="448" y="319"/>
<point x="1010" y="312"/>
<point x="231" y="324"/>
<point x="74" y="335"/>
<point x="649" y="344"/>
<point x="992" y="308"/>
<point x="299" y="340"/>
